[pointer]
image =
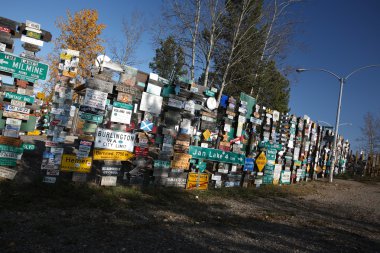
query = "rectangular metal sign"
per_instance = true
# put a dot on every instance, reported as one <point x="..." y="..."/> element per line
<point x="91" y="117"/>
<point x="72" y="163"/>
<point x="25" y="67"/>
<point x="96" y="99"/>
<point x="216" y="155"/>
<point x="109" y="139"/>
<point x="117" y="155"/>
<point x="15" y="115"/>
<point x="121" y="115"/>
<point x="13" y="108"/>
<point x="122" y="105"/>
<point x="25" y="98"/>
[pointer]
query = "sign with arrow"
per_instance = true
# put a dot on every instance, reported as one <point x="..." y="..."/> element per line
<point x="216" y="155"/>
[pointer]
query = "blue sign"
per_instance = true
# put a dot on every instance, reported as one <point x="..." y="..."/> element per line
<point x="249" y="163"/>
<point x="146" y="125"/>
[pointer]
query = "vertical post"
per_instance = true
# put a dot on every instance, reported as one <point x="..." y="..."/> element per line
<point x="331" y="176"/>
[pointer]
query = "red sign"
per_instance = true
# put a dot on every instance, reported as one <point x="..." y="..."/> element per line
<point x="55" y="122"/>
<point x="4" y="29"/>
<point x="141" y="151"/>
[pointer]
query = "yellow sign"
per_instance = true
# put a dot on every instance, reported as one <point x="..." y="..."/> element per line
<point x="192" y="181"/>
<point x="40" y="95"/>
<point x="107" y="154"/>
<point x="206" y="134"/>
<point x="34" y="133"/>
<point x="72" y="163"/>
<point x="261" y="161"/>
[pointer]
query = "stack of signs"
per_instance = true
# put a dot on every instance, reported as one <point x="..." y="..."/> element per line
<point x="60" y="115"/>
<point x="112" y="147"/>
<point x="18" y="100"/>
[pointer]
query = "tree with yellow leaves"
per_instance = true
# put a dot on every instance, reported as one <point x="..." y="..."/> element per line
<point x="80" y="32"/>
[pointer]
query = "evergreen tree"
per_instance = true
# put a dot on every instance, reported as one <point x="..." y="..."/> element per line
<point x="169" y="57"/>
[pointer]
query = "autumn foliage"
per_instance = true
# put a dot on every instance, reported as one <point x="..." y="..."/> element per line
<point x="80" y="32"/>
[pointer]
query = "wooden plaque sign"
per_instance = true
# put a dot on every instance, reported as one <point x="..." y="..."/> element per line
<point x="10" y="141"/>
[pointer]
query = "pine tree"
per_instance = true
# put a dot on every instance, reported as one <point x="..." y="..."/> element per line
<point x="169" y="56"/>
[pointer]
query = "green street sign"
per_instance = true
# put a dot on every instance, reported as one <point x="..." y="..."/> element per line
<point x="91" y="117"/>
<point x="122" y="105"/>
<point x="8" y="162"/>
<point x="7" y="148"/>
<point x="25" y="78"/>
<point x="209" y="93"/>
<point x="216" y="155"/>
<point x="24" y="98"/>
<point x="29" y="146"/>
<point x="21" y="66"/>
<point x="268" y="145"/>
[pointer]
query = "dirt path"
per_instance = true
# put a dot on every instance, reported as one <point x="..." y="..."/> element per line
<point x="312" y="217"/>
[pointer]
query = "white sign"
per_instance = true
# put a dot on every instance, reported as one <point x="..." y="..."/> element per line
<point x="153" y="89"/>
<point x="96" y="99"/>
<point x="33" y="25"/>
<point x="11" y="133"/>
<point x="13" y="108"/>
<point x="108" y="181"/>
<point x="115" y="140"/>
<point x="121" y="115"/>
<point x="151" y="103"/>
<point x="5" y="154"/>
<point x="18" y="103"/>
<point x="7" y="173"/>
<point x="16" y="122"/>
<point x="29" y="40"/>
<point x="2" y="47"/>
<point x="285" y="177"/>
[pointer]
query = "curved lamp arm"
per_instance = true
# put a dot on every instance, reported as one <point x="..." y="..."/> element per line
<point x="365" y="67"/>
<point x="323" y="70"/>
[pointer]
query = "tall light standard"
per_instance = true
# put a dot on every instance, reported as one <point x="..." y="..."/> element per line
<point x="342" y="81"/>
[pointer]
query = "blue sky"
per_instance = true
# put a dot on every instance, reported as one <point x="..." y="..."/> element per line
<point x="339" y="35"/>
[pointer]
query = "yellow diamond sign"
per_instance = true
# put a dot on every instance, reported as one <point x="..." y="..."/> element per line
<point x="206" y="134"/>
<point x="261" y="160"/>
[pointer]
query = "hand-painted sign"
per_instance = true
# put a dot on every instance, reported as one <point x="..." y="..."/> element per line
<point x="12" y="95"/>
<point x="195" y="179"/>
<point x="91" y="117"/>
<point x="72" y="163"/>
<point x="130" y="90"/>
<point x="100" y="85"/>
<point x="96" y="99"/>
<point x="22" y="67"/>
<point x="109" y="139"/>
<point x="121" y="115"/>
<point x="216" y="155"/>
<point x="117" y="155"/>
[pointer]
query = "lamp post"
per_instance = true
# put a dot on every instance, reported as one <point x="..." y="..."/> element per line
<point x="342" y="81"/>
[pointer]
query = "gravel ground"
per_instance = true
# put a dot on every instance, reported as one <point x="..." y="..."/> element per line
<point x="308" y="217"/>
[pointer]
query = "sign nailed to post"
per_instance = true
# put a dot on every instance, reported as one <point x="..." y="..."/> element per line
<point x="22" y="67"/>
<point x="72" y="163"/>
<point x="106" y="154"/>
<point x="115" y="140"/>
<point x="216" y="155"/>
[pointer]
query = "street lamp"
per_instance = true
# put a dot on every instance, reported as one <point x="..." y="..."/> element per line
<point x="328" y="124"/>
<point x="341" y="80"/>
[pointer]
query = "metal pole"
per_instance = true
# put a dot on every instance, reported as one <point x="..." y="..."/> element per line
<point x="332" y="168"/>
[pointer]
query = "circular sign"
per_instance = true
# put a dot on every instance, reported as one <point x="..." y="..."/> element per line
<point x="211" y="103"/>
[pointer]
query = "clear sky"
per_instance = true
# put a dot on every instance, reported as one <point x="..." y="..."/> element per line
<point x="339" y="35"/>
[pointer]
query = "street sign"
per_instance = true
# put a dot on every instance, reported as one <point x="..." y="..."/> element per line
<point x="122" y="105"/>
<point x="13" y="108"/>
<point x="8" y="162"/>
<point x="249" y="164"/>
<point x="106" y="154"/>
<point x="216" y="155"/>
<point x="29" y="146"/>
<point x="7" y="148"/>
<point x="261" y="161"/>
<point x="22" y="67"/>
<point x="72" y="163"/>
<point x="25" y="98"/>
